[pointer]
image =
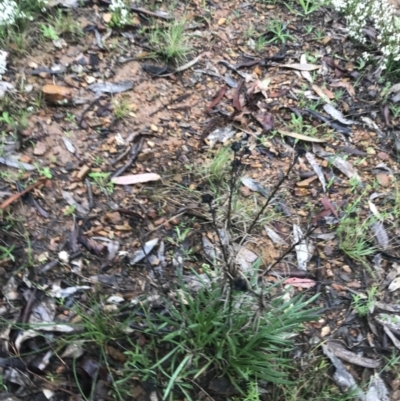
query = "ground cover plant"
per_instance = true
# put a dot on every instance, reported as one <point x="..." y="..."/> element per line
<point x="199" y="200"/>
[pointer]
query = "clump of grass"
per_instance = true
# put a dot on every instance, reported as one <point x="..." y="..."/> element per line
<point x="354" y="238"/>
<point x="172" y="42"/>
<point x="65" y="25"/>
<point x="202" y="333"/>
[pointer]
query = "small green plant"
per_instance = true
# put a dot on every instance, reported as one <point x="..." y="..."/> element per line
<point x="102" y="180"/>
<point x="44" y="171"/>
<point x="172" y="42"/>
<point x="6" y="253"/>
<point x="309" y="29"/>
<point x="65" y="24"/>
<point x="360" y="64"/>
<point x="98" y="160"/>
<point x="252" y="393"/>
<point x="354" y="239"/>
<point x="121" y="108"/>
<point x="6" y="118"/>
<point x="261" y="42"/>
<point x="180" y="235"/>
<point x="307" y="7"/>
<point x="319" y="34"/>
<point x="298" y="125"/>
<point x="364" y="305"/>
<point x="395" y="110"/>
<point x="278" y="29"/>
<point x="70" y="117"/>
<point x="69" y="210"/>
<point x="49" y="32"/>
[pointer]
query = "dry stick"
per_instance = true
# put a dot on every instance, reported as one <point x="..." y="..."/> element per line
<point x="16" y="196"/>
<point x="135" y="150"/>
<point x="89" y="193"/>
<point x="272" y="194"/>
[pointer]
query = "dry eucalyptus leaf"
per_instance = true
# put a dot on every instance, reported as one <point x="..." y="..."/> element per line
<point x="135" y="178"/>
<point x="302" y="67"/>
<point x="301" y="136"/>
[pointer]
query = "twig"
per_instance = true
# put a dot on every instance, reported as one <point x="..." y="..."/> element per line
<point x="167" y="221"/>
<point x="89" y="193"/>
<point x="91" y="105"/>
<point x="272" y="194"/>
<point x="18" y="195"/>
<point x="134" y="153"/>
<point x="175" y="100"/>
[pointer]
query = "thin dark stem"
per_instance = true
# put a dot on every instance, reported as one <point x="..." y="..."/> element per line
<point x="272" y="194"/>
<point x="226" y="259"/>
<point x="290" y="249"/>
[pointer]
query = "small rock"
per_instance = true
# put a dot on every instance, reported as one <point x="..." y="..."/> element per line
<point x="55" y="94"/>
<point x="113" y="217"/>
<point x="326" y="40"/>
<point x="174" y="221"/>
<point x="326" y="330"/>
<point x="221" y="21"/>
<point x="383" y="179"/>
<point x="346" y="268"/>
<point x="90" y="80"/>
<point x="305" y="183"/>
<point x="83" y="171"/>
<point x="107" y="17"/>
<point x="383" y="156"/>
<point x="152" y="214"/>
<point x="40" y="149"/>
<point x="69" y="166"/>
<point x="25" y="159"/>
<point x="154" y="128"/>
<point x="159" y="221"/>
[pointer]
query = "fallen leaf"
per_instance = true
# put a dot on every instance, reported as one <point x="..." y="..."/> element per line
<point x="302" y="67"/>
<point x="141" y="253"/>
<point x="217" y="98"/>
<point x="394" y="285"/>
<point x="135" y="178"/>
<point x="347" y="85"/>
<point x="352" y="357"/>
<point x="301" y="136"/>
<point x="13" y="162"/>
<point x="305" y="74"/>
<point x="317" y="168"/>
<point x="266" y="120"/>
<point x="111" y="87"/>
<point x="337" y="115"/>
<point x="57" y="95"/>
<point x="301" y="248"/>
<point x="300" y="282"/>
<point x="321" y="93"/>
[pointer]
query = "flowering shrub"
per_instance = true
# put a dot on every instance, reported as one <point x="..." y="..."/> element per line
<point x="382" y="14"/>
<point x="120" y="13"/>
<point x="11" y="11"/>
<point x="3" y="63"/>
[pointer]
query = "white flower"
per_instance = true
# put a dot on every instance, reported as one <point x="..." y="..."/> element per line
<point x="3" y="63"/>
<point x="382" y="15"/>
